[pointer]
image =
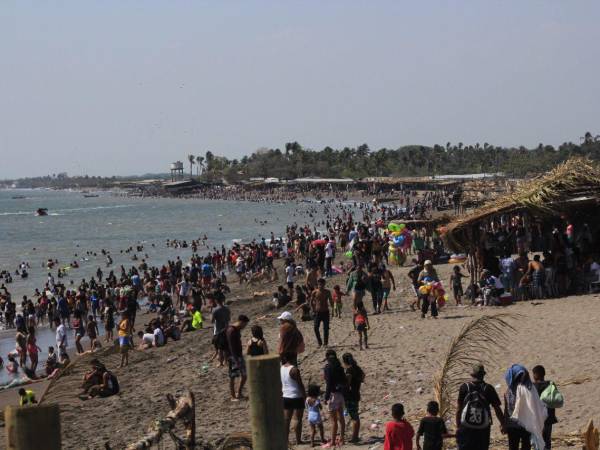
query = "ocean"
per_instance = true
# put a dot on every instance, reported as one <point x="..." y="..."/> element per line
<point x="76" y="224"/>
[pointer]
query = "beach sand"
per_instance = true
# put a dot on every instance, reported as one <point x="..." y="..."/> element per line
<point x="406" y="351"/>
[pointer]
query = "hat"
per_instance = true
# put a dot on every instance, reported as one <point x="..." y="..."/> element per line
<point x="428" y="263"/>
<point x="477" y="370"/>
<point x="286" y="315"/>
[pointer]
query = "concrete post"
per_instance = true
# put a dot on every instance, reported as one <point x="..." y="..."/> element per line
<point x="266" y="403"/>
<point x="32" y="427"/>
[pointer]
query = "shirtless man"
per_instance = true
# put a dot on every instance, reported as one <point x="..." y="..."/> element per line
<point x="536" y="273"/>
<point x="388" y="284"/>
<point x="321" y="300"/>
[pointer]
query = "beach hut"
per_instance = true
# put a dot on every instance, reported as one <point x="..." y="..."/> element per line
<point x="571" y="191"/>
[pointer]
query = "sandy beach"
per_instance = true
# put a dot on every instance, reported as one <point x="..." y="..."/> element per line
<point x="405" y="353"/>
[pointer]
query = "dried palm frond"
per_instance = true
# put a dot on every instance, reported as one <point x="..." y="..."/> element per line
<point x="476" y="343"/>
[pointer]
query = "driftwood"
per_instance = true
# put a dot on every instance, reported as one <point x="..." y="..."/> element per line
<point x="183" y="410"/>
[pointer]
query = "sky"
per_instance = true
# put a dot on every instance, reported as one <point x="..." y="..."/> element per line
<point x="118" y="87"/>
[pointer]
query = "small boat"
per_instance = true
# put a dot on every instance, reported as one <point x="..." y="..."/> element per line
<point x="41" y="212"/>
<point x="90" y="195"/>
<point x="18" y="197"/>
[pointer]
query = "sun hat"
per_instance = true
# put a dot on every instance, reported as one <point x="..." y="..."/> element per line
<point x="428" y="263"/>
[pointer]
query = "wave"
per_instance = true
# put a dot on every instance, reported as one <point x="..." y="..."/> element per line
<point x="93" y="208"/>
<point x="57" y="212"/>
<point x="18" y="213"/>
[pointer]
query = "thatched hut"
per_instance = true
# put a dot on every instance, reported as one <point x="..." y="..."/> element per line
<point x="570" y="193"/>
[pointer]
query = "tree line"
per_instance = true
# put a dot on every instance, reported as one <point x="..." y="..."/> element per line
<point x="295" y="161"/>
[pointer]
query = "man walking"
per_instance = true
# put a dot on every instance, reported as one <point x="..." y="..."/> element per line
<point x="473" y="412"/>
<point x="235" y="353"/>
<point x="321" y="300"/>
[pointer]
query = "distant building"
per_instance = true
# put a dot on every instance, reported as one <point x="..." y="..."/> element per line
<point x="176" y="170"/>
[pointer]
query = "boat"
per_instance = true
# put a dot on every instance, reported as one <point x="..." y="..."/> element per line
<point x="41" y="212"/>
<point x="18" y="197"/>
<point x="90" y="195"/>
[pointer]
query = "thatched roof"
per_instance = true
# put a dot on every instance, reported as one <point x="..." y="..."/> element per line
<point x="576" y="181"/>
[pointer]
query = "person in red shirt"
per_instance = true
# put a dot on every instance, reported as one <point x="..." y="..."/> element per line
<point x="398" y="432"/>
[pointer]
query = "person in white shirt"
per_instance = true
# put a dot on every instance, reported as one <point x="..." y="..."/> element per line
<point x="289" y="277"/>
<point x="329" y="253"/>
<point x="61" y="337"/>
<point x="146" y="340"/>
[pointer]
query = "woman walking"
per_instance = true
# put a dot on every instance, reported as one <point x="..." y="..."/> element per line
<point x="354" y="377"/>
<point x="335" y="387"/>
<point x="293" y="396"/>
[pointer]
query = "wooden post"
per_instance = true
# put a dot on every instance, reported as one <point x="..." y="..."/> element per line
<point x="32" y="427"/>
<point x="266" y="403"/>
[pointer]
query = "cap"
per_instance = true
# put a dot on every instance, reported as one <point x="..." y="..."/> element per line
<point x="477" y="370"/>
<point x="428" y="263"/>
<point x="286" y="315"/>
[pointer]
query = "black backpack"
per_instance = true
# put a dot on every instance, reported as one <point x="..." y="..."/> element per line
<point x="115" y="382"/>
<point x="475" y="413"/>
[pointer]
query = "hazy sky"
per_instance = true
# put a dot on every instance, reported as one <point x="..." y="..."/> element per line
<point x="122" y="87"/>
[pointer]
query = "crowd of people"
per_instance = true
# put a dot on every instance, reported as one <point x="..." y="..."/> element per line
<point x="553" y="259"/>
<point x="178" y="294"/>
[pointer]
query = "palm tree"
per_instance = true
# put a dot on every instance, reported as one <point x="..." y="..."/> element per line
<point x="587" y="138"/>
<point x="209" y="160"/>
<point x="191" y="159"/>
<point x="199" y="165"/>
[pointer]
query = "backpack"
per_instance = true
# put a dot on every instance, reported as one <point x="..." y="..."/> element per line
<point x="551" y="397"/>
<point x="475" y="414"/>
<point x="115" y="383"/>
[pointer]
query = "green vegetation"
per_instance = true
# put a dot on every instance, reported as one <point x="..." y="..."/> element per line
<point x="411" y="160"/>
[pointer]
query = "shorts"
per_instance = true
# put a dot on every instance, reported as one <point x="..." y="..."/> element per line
<point x="291" y="404"/>
<point x="352" y="409"/>
<point x="361" y="327"/>
<point x="336" y="402"/>
<point x="237" y="367"/>
<point x="458" y="291"/>
<point x="124" y="343"/>
<point x="386" y="293"/>
<point x="290" y="285"/>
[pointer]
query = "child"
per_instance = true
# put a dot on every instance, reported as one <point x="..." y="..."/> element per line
<point x="433" y="428"/>
<point x="51" y="361"/>
<point x="12" y="366"/>
<point x="337" y="301"/>
<point x="361" y="324"/>
<point x="92" y="332"/>
<point x="398" y="433"/>
<point x="313" y="406"/>
<point x="456" y="283"/>
<point x="257" y="345"/>
<point x="32" y="349"/>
